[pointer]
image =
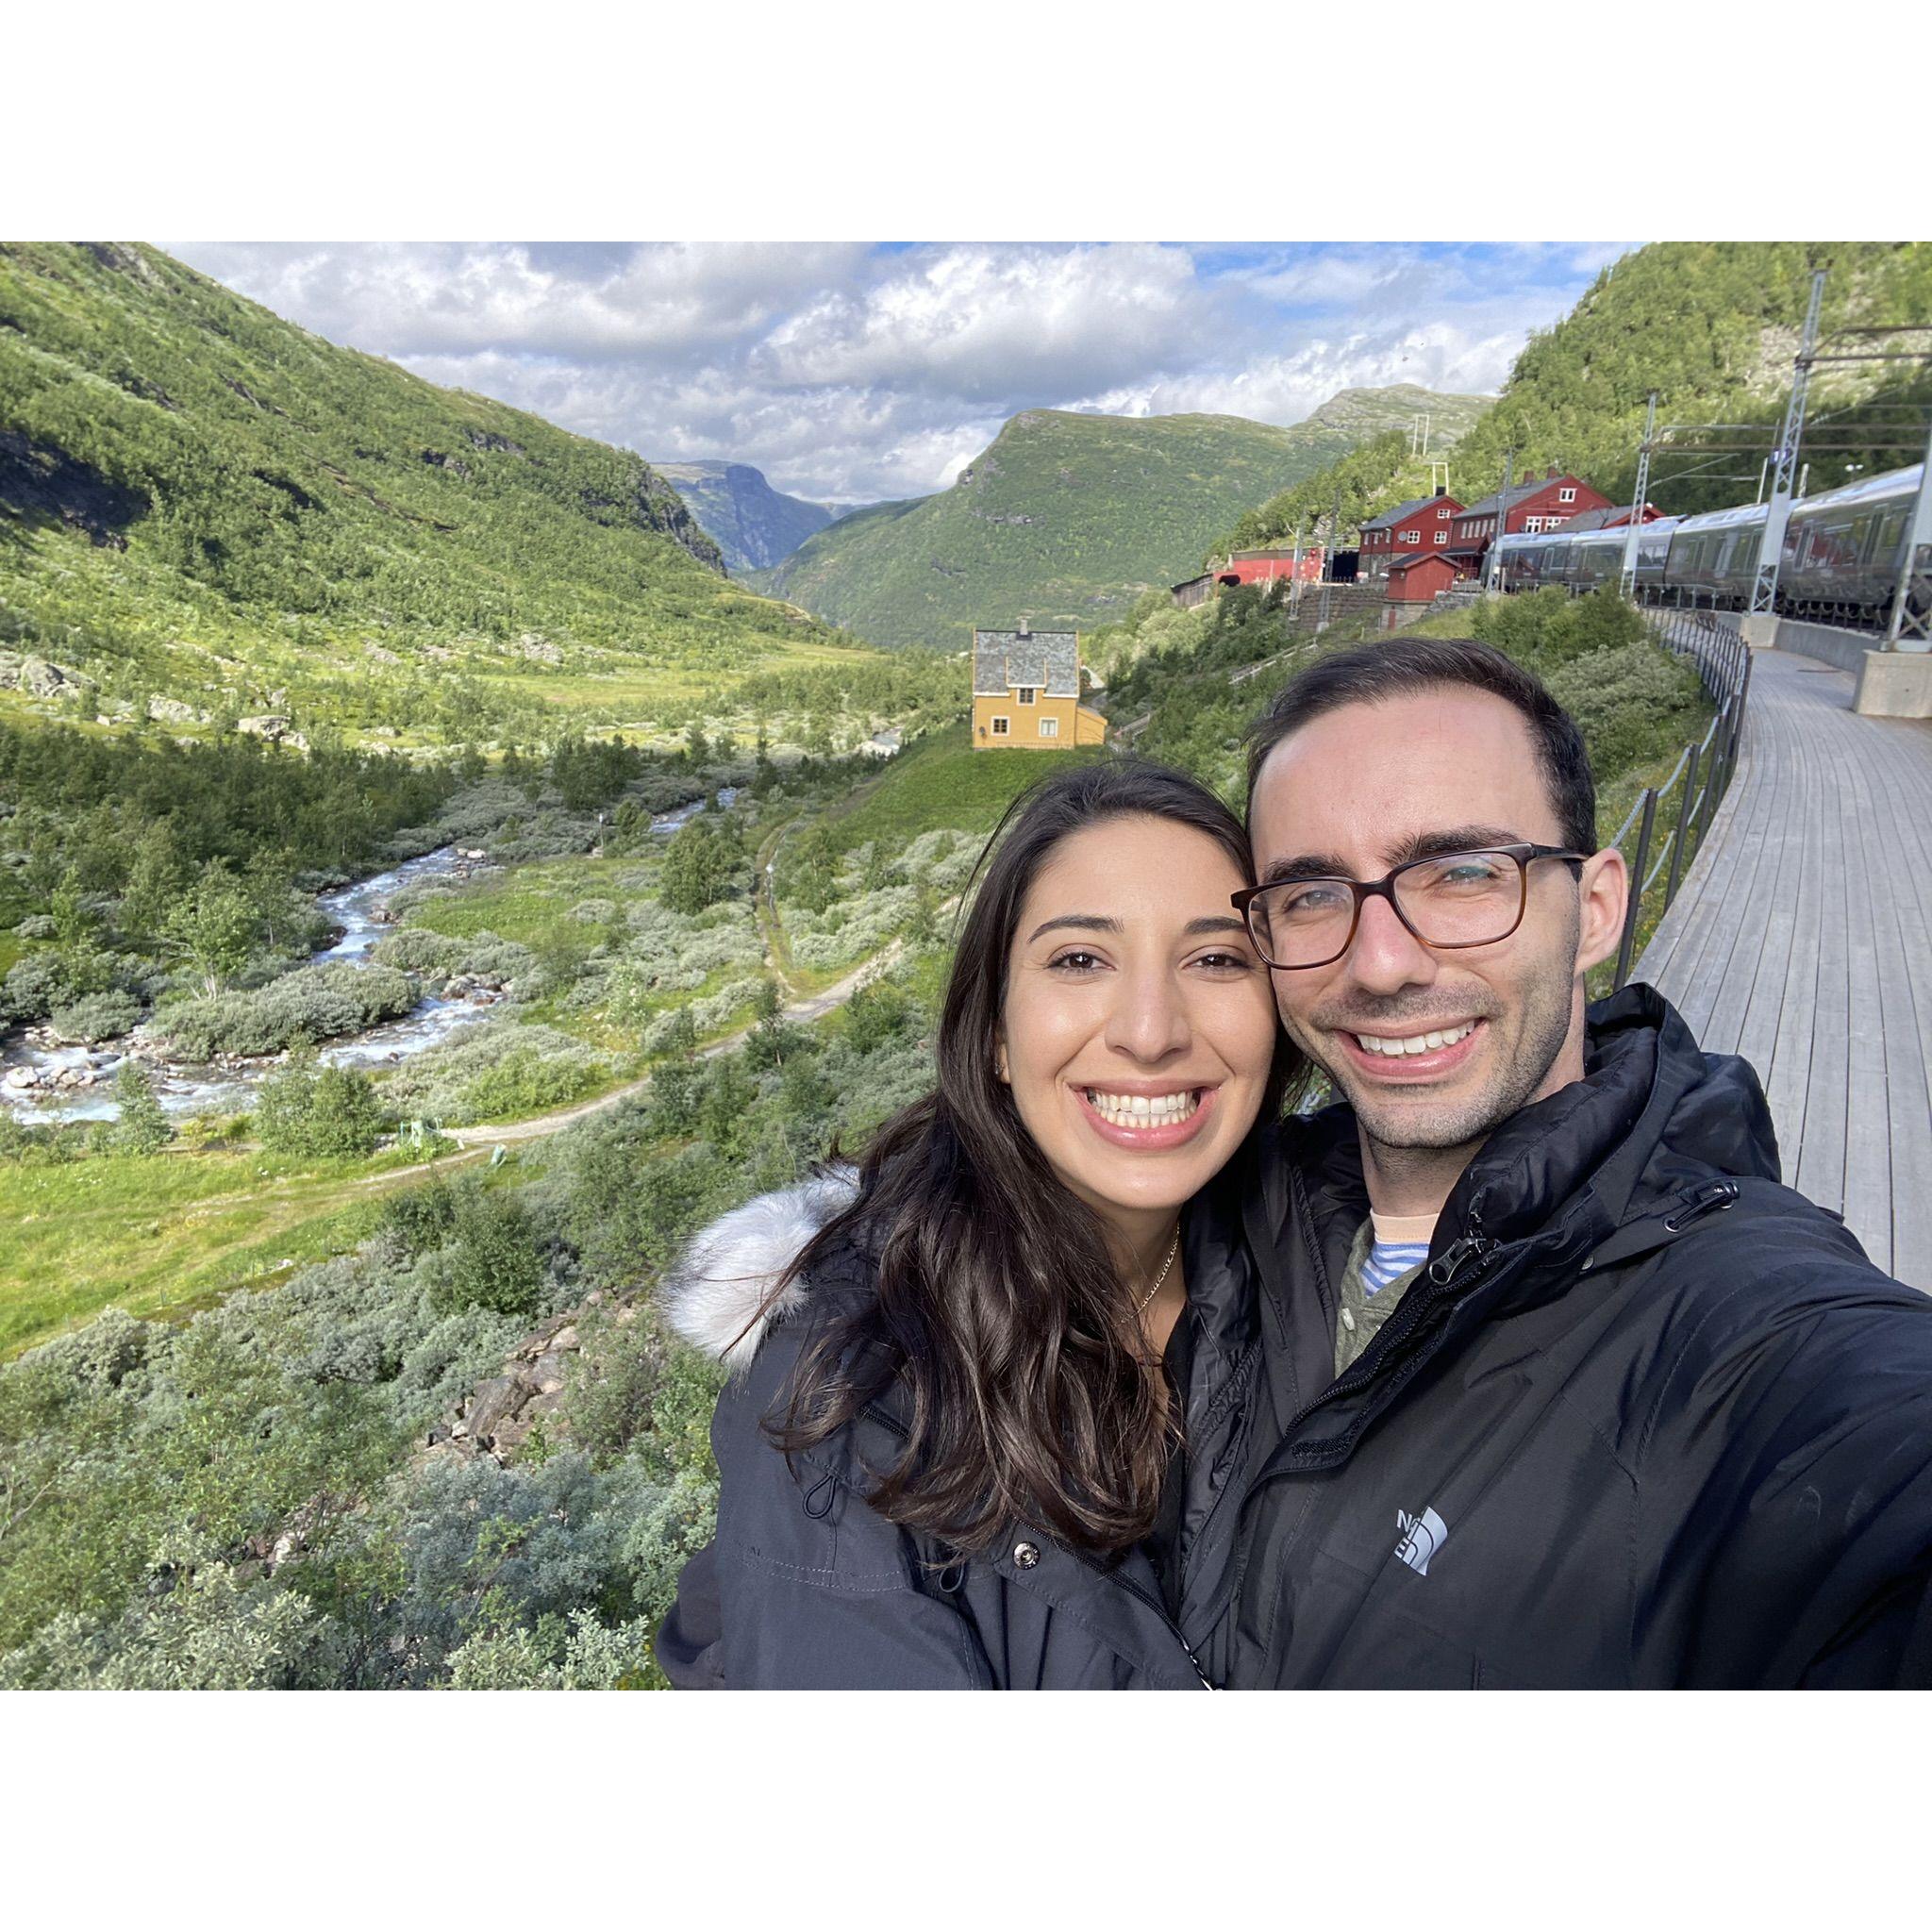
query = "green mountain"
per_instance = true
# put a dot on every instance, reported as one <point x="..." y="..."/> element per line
<point x="1713" y="326"/>
<point x="1067" y="519"/>
<point x="754" y="524"/>
<point x="206" y="512"/>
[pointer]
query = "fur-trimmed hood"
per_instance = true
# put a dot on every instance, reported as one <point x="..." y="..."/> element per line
<point x="715" y="1294"/>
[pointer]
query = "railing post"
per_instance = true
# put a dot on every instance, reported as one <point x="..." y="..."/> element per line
<point x="1714" y="780"/>
<point x="1684" y="807"/>
<point x="1632" y="910"/>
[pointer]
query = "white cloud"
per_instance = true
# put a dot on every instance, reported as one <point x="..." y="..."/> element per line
<point x="849" y="372"/>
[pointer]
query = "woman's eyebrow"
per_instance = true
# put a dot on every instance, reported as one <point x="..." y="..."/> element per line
<point x="1223" y="922"/>
<point x="1084" y="921"/>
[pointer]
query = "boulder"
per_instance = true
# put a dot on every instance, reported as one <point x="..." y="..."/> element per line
<point x="172" y="712"/>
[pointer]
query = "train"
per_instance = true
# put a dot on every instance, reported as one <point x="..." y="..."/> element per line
<point x="1844" y="554"/>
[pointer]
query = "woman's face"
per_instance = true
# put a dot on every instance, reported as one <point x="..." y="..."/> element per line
<point x="1139" y="1026"/>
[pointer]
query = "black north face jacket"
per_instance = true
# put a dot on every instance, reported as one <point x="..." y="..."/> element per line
<point x="1646" y="1418"/>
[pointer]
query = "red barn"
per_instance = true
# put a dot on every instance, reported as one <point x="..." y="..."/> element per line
<point x="1416" y="580"/>
<point x="1414" y="528"/>
<point x="1536" y="504"/>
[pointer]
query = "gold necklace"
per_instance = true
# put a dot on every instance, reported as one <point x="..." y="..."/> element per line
<point x="1174" y="1248"/>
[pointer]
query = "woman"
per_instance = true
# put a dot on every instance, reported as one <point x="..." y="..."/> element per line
<point x="970" y="1439"/>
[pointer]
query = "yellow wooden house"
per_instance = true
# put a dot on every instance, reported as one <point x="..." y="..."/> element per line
<point x="1027" y="693"/>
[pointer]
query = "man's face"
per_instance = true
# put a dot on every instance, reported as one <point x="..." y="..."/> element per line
<point x="1367" y="787"/>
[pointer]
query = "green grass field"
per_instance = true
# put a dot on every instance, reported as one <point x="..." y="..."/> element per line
<point x="940" y="781"/>
<point x="163" y="1235"/>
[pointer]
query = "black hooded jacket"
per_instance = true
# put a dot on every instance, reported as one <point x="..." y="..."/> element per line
<point x="1646" y="1418"/>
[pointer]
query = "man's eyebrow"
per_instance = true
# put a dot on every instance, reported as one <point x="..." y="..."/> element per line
<point x="1083" y="921"/>
<point x="1451" y="839"/>
<point x="1327" y="865"/>
<point x="1304" y="865"/>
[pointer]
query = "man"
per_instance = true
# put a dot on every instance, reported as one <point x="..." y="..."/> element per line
<point x="1565" y="1388"/>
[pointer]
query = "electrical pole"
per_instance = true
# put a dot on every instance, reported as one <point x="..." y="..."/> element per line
<point x="1294" y="573"/>
<point x="1771" y="548"/>
<point x="1626" y="579"/>
<point x="1493" y="573"/>
<point x="1333" y="537"/>
<point x="1908" y="631"/>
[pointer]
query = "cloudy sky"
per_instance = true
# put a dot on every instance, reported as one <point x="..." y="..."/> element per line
<point x="852" y="372"/>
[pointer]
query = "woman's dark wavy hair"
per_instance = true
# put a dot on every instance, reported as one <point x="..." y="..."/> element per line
<point x="1026" y="1389"/>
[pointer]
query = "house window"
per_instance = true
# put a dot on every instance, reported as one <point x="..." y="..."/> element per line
<point x="1001" y="727"/>
<point x="1566" y="496"/>
<point x="1027" y="693"/>
<point x="1443" y="516"/>
<point x="1532" y="526"/>
<point x="1049" y="727"/>
<point x="1412" y="536"/>
<point x="1442" y="536"/>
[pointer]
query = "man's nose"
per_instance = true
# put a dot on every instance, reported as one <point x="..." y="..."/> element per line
<point x="1386" y="955"/>
<point x="1149" y="1019"/>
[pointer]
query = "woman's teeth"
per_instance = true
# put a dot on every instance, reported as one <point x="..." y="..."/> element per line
<point x="1415" y="1043"/>
<point x="1142" y="1109"/>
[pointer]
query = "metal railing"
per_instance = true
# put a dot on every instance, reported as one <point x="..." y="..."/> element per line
<point x="1703" y="770"/>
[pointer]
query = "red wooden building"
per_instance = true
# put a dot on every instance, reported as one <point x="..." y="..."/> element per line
<point x="1415" y="529"/>
<point x="1416" y="580"/>
<point x="1536" y="504"/>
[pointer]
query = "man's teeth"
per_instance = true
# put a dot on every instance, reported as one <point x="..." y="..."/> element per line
<point x="1140" y="1110"/>
<point x="1415" y="1043"/>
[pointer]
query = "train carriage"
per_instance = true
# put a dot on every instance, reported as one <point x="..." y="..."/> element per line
<point x="1844" y="550"/>
<point x="1713" y="557"/>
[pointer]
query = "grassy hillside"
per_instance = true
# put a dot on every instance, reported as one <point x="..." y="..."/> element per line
<point x="1067" y="519"/>
<point x="204" y="504"/>
<point x="755" y="526"/>
<point x="1713" y="326"/>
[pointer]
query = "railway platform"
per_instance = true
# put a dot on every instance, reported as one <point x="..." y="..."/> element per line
<point x="1802" y="939"/>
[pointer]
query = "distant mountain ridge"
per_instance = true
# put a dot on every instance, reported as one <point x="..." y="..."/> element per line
<point x="1067" y="518"/>
<point x="753" y="525"/>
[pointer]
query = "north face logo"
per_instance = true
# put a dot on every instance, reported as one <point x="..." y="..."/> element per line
<point x="1422" y="1536"/>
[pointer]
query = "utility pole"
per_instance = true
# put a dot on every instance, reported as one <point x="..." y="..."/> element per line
<point x="1333" y="537"/>
<point x="1771" y="547"/>
<point x="1626" y="578"/>
<point x="1908" y="631"/>
<point x="1492" y="575"/>
<point x="1294" y="573"/>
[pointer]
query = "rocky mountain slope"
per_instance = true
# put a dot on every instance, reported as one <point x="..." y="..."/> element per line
<point x="1067" y="518"/>
<point x="754" y="526"/>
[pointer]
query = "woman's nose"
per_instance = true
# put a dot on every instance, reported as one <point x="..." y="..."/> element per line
<point x="1149" y="1019"/>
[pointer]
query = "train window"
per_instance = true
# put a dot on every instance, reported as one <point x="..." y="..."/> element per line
<point x="1889" y="531"/>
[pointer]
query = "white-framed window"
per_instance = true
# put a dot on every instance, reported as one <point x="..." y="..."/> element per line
<point x="1566" y="496"/>
<point x="1443" y="516"/>
<point x="1002" y="727"/>
<point x="1025" y="693"/>
<point x="1049" y="727"/>
<point x="1412" y="536"/>
<point x="1442" y="536"/>
<point x="1532" y="526"/>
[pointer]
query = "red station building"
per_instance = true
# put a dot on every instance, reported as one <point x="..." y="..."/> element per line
<point x="1419" y="527"/>
<point x="1536" y="504"/>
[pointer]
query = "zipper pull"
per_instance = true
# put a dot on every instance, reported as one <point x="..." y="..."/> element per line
<point x="1471" y="1246"/>
<point x="1711" y="1196"/>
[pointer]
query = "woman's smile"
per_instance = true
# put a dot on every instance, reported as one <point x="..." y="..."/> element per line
<point x="1152" y="1121"/>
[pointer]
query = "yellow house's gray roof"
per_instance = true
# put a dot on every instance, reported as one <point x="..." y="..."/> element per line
<point x="1047" y="660"/>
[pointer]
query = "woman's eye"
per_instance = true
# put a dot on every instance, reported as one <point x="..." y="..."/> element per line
<point x="1076" y="961"/>
<point x="1239" y="962"/>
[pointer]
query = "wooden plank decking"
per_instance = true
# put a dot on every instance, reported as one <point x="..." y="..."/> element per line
<point x="1802" y="939"/>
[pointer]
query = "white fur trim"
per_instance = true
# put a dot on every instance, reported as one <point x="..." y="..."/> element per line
<point x="714" y="1294"/>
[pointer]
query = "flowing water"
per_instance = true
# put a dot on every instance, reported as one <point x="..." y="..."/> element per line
<point x="185" y="1088"/>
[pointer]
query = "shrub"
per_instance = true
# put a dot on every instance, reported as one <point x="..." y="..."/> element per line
<point x="495" y="1261"/>
<point x="494" y="1069"/>
<point x="308" y="1108"/>
<point x="95" y="1016"/>
<point x="141" y="1128"/>
<point x="313" y="1002"/>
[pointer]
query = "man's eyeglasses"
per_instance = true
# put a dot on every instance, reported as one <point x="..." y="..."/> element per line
<point x="1454" y="899"/>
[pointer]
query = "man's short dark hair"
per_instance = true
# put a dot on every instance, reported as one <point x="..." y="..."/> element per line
<point x="1375" y="674"/>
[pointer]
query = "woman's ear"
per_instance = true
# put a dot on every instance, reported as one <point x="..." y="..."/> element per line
<point x="999" y="1061"/>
